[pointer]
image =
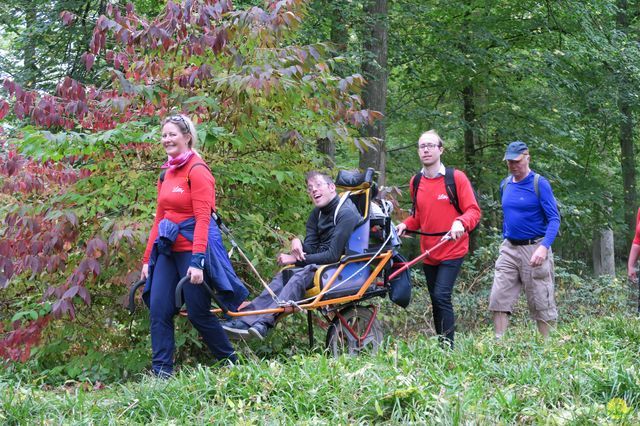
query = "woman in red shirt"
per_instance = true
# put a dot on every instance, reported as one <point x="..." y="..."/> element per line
<point x="177" y="247"/>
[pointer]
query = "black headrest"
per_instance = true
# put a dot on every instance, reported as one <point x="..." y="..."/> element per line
<point x="354" y="178"/>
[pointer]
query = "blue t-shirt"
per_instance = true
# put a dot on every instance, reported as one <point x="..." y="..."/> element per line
<point x="525" y="215"/>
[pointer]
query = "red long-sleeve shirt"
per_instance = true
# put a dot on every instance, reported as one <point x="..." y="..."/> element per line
<point x="636" y="239"/>
<point x="434" y="213"/>
<point x="178" y="200"/>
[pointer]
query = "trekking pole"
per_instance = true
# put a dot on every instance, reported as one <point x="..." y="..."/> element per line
<point x="235" y="245"/>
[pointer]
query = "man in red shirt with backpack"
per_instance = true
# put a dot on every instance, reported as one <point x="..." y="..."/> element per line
<point x="443" y="202"/>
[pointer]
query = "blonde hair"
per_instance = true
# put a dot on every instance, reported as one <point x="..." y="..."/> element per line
<point x="185" y="125"/>
<point x="432" y="133"/>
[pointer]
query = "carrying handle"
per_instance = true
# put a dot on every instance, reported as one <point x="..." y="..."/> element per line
<point x="180" y="301"/>
<point x="132" y="295"/>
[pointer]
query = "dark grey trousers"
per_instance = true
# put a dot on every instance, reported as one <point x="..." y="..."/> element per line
<point x="293" y="290"/>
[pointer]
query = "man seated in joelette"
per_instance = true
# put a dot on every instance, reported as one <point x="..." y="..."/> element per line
<point x="326" y="237"/>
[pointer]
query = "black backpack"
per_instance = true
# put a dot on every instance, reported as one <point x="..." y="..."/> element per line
<point x="449" y="184"/>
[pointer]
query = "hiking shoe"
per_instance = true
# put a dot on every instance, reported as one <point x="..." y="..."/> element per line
<point x="235" y="326"/>
<point x="162" y="374"/>
<point x="259" y="330"/>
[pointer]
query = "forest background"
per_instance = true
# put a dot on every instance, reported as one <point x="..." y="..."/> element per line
<point x="277" y="89"/>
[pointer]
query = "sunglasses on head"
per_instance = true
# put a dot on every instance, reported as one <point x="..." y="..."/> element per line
<point x="178" y="119"/>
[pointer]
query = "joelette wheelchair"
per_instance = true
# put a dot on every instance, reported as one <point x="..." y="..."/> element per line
<point x="371" y="267"/>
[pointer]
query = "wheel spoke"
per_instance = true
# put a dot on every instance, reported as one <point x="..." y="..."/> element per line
<point x="341" y="340"/>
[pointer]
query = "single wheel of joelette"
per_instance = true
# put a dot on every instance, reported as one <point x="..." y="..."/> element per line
<point x="349" y="335"/>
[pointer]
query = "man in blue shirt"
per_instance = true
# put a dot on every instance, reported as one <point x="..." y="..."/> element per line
<point x="531" y="223"/>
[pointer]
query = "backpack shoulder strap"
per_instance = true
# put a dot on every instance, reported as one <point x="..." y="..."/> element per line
<point x="536" y="185"/>
<point x="193" y="167"/>
<point x="344" y="197"/>
<point x="164" y="172"/>
<point x="452" y="190"/>
<point x="503" y="185"/>
<point x="415" y="183"/>
<point x="199" y="164"/>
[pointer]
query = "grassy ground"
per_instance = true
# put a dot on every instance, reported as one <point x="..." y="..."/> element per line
<point x="587" y="373"/>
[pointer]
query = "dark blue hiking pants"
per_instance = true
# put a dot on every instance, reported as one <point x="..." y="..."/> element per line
<point x="440" y="280"/>
<point x="167" y="273"/>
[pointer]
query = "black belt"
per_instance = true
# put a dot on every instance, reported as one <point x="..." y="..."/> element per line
<point x="535" y="240"/>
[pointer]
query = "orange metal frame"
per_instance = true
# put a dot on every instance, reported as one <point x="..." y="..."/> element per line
<point x="317" y="302"/>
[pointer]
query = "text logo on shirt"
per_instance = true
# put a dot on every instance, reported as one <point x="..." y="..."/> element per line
<point x="443" y="197"/>
<point x="178" y="189"/>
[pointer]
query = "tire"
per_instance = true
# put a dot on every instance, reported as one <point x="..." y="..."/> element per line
<point x="341" y="341"/>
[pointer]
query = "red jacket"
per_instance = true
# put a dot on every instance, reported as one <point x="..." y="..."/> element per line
<point x="178" y="200"/>
<point x="434" y="213"/>
<point x="636" y="239"/>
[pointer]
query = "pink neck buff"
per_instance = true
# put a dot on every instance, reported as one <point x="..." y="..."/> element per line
<point x="179" y="161"/>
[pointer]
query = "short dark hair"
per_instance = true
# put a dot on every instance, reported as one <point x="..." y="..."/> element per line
<point x="314" y="173"/>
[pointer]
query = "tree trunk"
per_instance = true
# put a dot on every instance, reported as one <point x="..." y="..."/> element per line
<point x="327" y="147"/>
<point x="627" y="157"/>
<point x="603" y="253"/>
<point x="469" y="115"/>
<point x="338" y="36"/>
<point x="470" y="119"/>
<point x="29" y="54"/>
<point x="627" y="160"/>
<point x="374" y="95"/>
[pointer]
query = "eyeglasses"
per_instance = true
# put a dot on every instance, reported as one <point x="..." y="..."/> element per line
<point x="428" y="146"/>
<point x="311" y="188"/>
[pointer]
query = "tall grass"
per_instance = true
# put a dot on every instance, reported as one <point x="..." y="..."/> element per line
<point x="586" y="373"/>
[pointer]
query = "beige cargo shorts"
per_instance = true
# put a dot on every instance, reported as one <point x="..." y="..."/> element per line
<point x="513" y="272"/>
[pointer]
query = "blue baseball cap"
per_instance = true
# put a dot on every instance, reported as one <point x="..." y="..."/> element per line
<point x="515" y="150"/>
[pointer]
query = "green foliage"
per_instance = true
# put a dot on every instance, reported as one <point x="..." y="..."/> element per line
<point x="578" y="296"/>
<point x="42" y="49"/>
<point x="547" y="74"/>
